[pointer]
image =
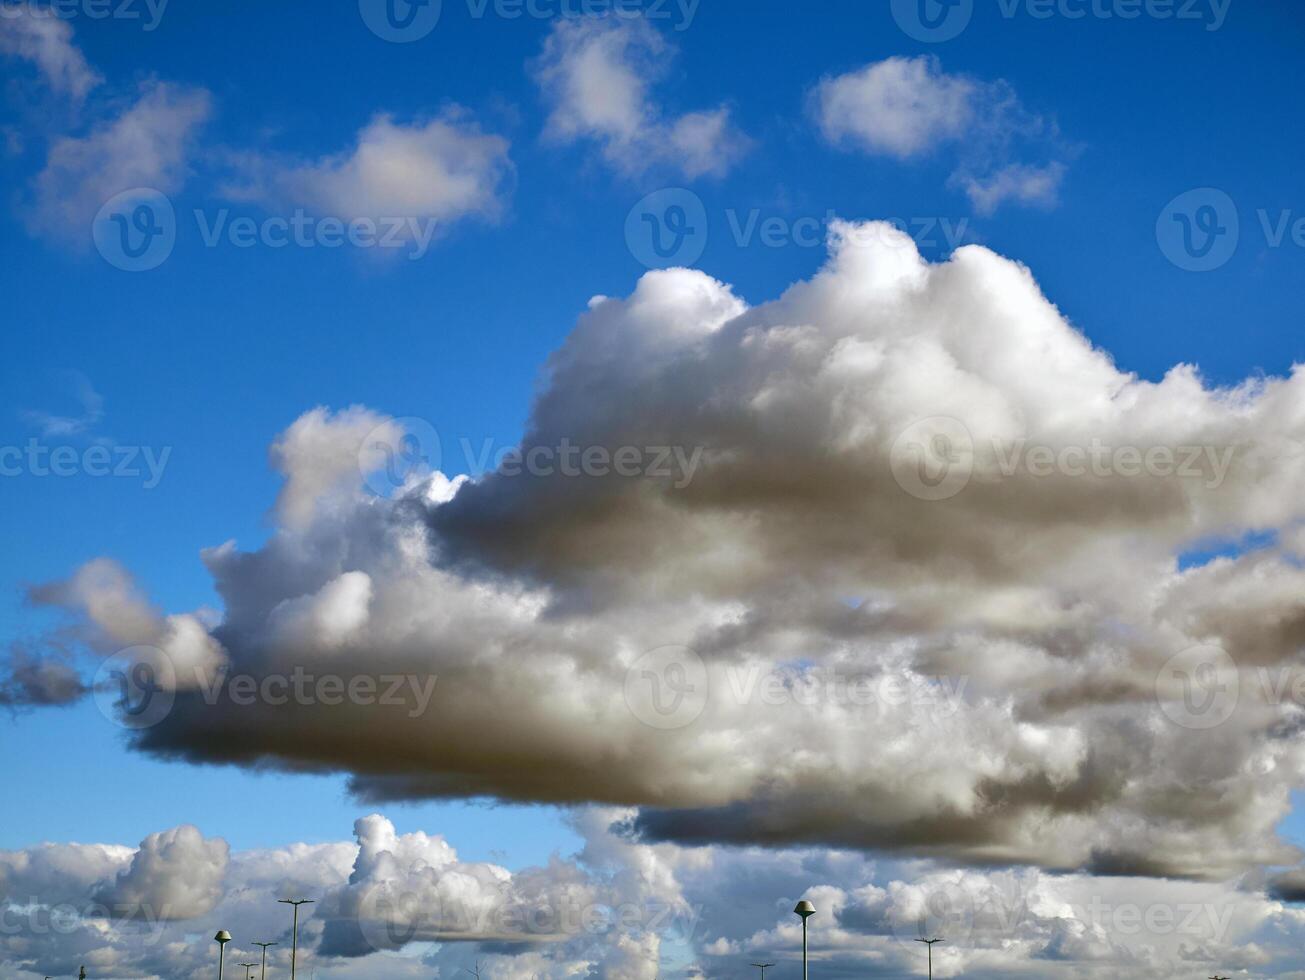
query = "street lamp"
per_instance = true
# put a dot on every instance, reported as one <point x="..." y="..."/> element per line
<point x="762" y="967"/>
<point x="222" y="938"/>
<point x="249" y="970"/>
<point x="294" y="941"/>
<point x="806" y="910"/>
<point x="929" y="943"/>
<point x="264" y="945"/>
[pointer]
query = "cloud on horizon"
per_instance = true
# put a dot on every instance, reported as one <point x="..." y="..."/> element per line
<point x="399" y="906"/>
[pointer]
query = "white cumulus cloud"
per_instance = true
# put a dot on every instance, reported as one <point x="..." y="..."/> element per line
<point x="911" y="108"/>
<point x="596" y="74"/>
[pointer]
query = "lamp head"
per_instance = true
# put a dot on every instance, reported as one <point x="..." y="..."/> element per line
<point x="804" y="909"/>
<point x="222" y="937"/>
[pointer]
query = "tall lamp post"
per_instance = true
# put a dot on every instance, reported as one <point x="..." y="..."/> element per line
<point x="222" y="938"/>
<point x="929" y="944"/>
<point x="806" y="910"/>
<point x="249" y="970"/>
<point x="762" y="967"/>
<point x="264" y="945"/>
<point x="294" y="940"/>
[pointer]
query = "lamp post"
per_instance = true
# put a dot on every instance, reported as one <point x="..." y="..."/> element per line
<point x="264" y="945"/>
<point x="294" y="940"/>
<point x="929" y="943"/>
<point x="762" y="967"/>
<point x="806" y="910"/>
<point x="249" y="970"/>
<point x="222" y="938"/>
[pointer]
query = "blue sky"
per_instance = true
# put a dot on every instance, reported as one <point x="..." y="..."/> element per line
<point x="219" y="349"/>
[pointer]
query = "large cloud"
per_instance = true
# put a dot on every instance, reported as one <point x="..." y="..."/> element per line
<point x="922" y="540"/>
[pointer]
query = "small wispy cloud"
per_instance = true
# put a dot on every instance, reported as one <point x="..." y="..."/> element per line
<point x="44" y="40"/>
<point x="147" y="144"/>
<point x="909" y="108"/>
<point x="595" y="73"/>
<point x="51" y="425"/>
<point x="443" y="169"/>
